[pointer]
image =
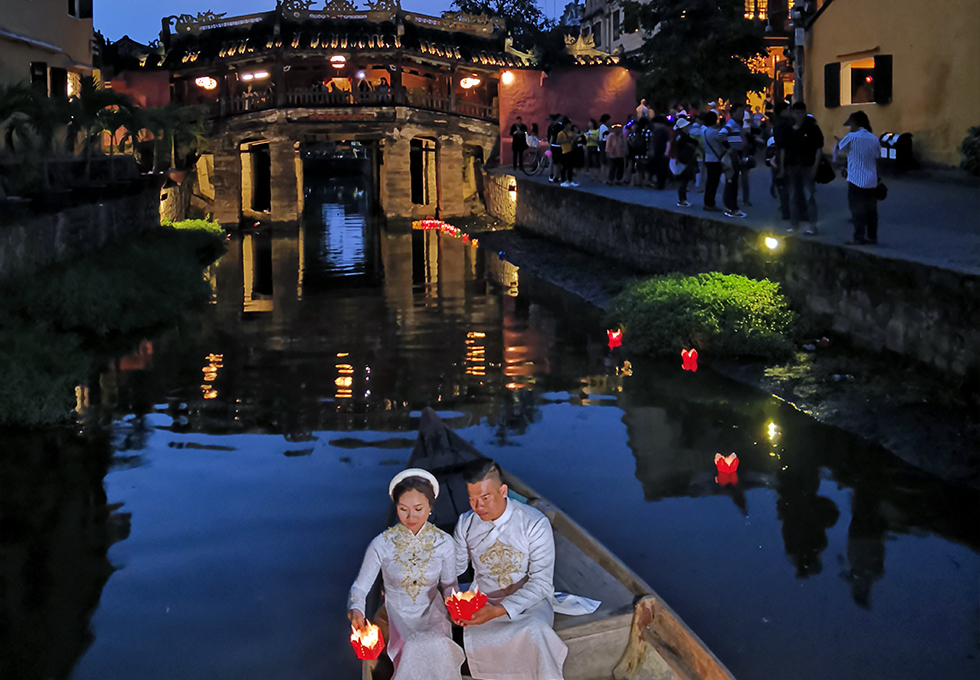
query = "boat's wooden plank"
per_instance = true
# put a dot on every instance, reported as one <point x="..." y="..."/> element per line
<point x="577" y="573"/>
<point x="658" y="631"/>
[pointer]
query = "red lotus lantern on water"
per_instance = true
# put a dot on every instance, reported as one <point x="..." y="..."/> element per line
<point x="368" y="643"/>
<point x="726" y="464"/>
<point x="615" y="338"/>
<point x="689" y="359"/>
<point x="462" y="606"/>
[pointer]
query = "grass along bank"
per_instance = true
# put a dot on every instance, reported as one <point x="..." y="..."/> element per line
<point x="58" y="325"/>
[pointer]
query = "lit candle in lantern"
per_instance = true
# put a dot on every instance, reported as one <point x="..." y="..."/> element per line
<point x="689" y="357"/>
<point x="727" y="463"/>
<point x="462" y="606"/>
<point x="368" y="642"/>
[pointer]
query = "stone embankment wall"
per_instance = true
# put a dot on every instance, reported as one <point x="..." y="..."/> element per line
<point x="34" y="241"/>
<point x="920" y="311"/>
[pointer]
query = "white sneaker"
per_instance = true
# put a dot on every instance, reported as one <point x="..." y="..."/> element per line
<point x="683" y="204"/>
<point x="735" y="213"/>
<point x="574" y="184"/>
<point x="565" y="184"/>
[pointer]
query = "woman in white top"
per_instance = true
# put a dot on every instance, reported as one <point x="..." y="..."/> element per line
<point x="862" y="149"/>
<point x="417" y="564"/>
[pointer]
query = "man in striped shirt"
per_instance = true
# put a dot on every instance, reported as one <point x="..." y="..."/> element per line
<point x="862" y="149"/>
<point x="731" y="137"/>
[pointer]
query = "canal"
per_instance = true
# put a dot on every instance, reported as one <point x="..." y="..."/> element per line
<point x="206" y="516"/>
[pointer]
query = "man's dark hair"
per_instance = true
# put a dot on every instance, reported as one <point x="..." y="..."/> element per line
<point x="604" y="118"/>
<point x="478" y="470"/>
<point x="710" y="118"/>
<point x="419" y="484"/>
<point x="799" y="106"/>
<point x="779" y="108"/>
<point x="861" y="118"/>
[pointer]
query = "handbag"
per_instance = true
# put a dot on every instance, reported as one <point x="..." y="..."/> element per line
<point x="881" y="191"/>
<point x="676" y="167"/>
<point x="825" y="172"/>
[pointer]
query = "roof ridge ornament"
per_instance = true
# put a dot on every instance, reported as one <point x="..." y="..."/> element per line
<point x="294" y="5"/>
<point x="339" y="6"/>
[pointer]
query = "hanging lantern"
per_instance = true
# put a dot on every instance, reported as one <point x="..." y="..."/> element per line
<point x="726" y="464"/>
<point x="689" y="359"/>
<point x="615" y="338"/>
<point x="368" y="642"/>
<point x="462" y="606"/>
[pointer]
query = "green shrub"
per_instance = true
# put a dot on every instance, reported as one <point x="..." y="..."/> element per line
<point x="719" y="313"/>
<point x="40" y="370"/>
<point x="970" y="150"/>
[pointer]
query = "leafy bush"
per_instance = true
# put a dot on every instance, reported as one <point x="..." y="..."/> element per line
<point x="970" y="150"/>
<point x="721" y="313"/>
<point x="40" y="369"/>
<point x="56" y="323"/>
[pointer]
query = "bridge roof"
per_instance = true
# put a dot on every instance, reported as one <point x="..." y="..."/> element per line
<point x="329" y="36"/>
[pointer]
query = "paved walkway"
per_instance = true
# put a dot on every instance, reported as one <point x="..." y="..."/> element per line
<point x="933" y="218"/>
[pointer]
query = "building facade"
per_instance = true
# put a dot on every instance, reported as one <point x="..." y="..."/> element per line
<point x="47" y="43"/>
<point x="912" y="69"/>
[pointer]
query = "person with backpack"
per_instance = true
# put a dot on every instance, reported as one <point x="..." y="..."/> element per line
<point x="731" y="137"/>
<point x="637" y="151"/>
<point x="685" y="161"/>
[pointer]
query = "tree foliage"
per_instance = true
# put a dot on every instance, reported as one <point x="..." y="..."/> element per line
<point x="525" y="20"/>
<point x="696" y="50"/>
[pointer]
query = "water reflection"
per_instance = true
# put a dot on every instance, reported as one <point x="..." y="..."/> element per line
<point x="295" y="390"/>
<point x="677" y="425"/>
<point x="56" y="532"/>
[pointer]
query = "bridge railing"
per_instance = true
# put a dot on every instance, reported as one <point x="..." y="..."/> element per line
<point x="322" y="98"/>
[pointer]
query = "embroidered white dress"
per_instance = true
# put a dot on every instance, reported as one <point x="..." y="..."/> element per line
<point x="417" y="570"/>
<point x="513" y="561"/>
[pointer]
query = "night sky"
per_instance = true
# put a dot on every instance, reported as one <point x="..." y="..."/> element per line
<point x="140" y="19"/>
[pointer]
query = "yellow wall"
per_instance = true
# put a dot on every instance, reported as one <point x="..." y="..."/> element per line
<point x="935" y="76"/>
<point x="67" y="40"/>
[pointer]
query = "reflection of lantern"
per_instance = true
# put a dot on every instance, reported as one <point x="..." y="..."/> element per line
<point x="462" y="606"/>
<point x="689" y="357"/>
<point x="368" y="642"/>
<point x="726" y="464"/>
<point x="615" y="338"/>
<point x="726" y="478"/>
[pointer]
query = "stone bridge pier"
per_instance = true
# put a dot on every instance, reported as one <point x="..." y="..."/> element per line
<point x="422" y="163"/>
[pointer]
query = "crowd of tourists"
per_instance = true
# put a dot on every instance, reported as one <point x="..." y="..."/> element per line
<point x="717" y="148"/>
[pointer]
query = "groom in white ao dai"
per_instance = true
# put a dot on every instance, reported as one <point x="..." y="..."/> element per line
<point x="512" y="550"/>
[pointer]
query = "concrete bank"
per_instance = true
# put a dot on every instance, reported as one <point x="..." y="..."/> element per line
<point x="33" y="241"/>
<point x="921" y="311"/>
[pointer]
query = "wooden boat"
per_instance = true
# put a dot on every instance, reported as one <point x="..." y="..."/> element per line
<point x="633" y="635"/>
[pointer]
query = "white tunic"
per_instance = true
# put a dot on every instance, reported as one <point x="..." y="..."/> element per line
<point x="413" y="568"/>
<point x="513" y="561"/>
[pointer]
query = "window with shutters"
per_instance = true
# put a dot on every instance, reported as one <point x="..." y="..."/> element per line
<point x="860" y="81"/>
<point x="80" y="9"/>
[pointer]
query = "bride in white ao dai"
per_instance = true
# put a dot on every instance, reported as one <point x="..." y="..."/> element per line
<point x="418" y="567"/>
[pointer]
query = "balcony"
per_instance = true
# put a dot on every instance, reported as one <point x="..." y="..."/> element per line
<point x="338" y="99"/>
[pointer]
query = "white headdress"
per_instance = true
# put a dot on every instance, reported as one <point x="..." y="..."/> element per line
<point x="414" y="472"/>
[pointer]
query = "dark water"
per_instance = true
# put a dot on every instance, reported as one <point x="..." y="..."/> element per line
<point x="208" y="513"/>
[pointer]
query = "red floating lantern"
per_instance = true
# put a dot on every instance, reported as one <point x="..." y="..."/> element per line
<point x="368" y="643"/>
<point x="462" y="606"/>
<point x="689" y="360"/>
<point x="726" y="478"/>
<point x="726" y="464"/>
<point x="466" y="238"/>
<point x="615" y="338"/>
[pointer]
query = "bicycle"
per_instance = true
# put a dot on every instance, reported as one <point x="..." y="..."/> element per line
<point x="536" y="161"/>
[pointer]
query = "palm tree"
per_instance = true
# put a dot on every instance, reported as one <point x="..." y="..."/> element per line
<point x="88" y="115"/>
<point x="16" y="107"/>
<point x="178" y="131"/>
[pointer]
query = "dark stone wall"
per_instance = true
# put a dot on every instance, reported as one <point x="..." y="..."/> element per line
<point x="920" y="311"/>
<point x="33" y="241"/>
